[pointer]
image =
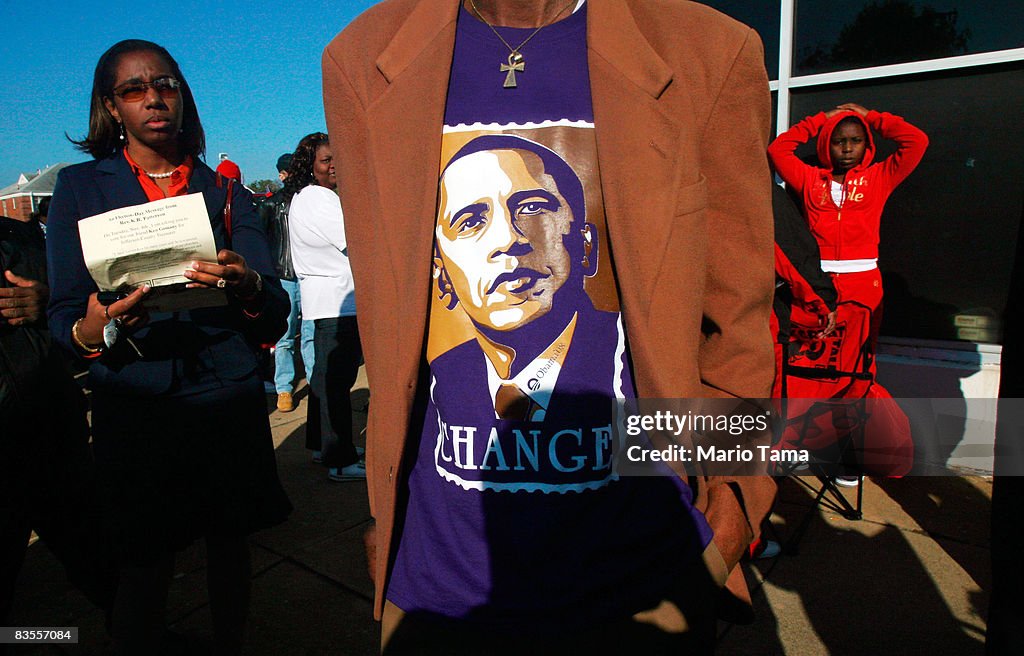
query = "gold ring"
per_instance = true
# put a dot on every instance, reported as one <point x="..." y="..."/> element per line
<point x="221" y="283"/>
<point x="106" y="312"/>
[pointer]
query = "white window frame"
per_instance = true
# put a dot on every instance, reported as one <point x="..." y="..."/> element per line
<point x="787" y="81"/>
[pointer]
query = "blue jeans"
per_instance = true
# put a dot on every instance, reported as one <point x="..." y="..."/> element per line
<point x="284" y="358"/>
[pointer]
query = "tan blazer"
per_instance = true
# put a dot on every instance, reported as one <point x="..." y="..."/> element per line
<point x="681" y="112"/>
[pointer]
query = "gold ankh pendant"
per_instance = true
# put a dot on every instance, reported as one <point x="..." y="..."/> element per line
<point x="515" y="63"/>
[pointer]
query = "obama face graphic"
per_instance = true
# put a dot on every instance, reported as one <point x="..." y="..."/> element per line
<point x="510" y="232"/>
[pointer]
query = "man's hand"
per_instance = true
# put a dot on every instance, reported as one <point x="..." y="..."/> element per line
<point x="830" y="325"/>
<point x="25" y="302"/>
<point x="370" y="544"/>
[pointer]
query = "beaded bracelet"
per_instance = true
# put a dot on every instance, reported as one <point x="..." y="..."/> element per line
<point x="77" y="339"/>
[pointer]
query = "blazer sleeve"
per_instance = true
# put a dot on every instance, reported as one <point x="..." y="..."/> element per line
<point x="249" y="240"/>
<point x="70" y="281"/>
<point x="736" y="356"/>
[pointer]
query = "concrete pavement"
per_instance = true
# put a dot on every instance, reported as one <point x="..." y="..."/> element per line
<point x="911" y="577"/>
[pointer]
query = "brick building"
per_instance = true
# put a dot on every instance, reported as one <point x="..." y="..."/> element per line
<point x="20" y="199"/>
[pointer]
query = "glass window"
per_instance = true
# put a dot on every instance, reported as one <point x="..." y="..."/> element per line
<point x="832" y="36"/>
<point x="948" y="232"/>
<point x="763" y="16"/>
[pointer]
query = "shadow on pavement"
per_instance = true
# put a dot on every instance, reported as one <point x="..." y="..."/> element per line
<point x="881" y="585"/>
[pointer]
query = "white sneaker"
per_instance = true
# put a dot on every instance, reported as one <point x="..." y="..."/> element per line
<point x="353" y="472"/>
<point x="848" y="481"/>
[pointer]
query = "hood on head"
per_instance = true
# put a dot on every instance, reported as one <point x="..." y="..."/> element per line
<point x="825" y="138"/>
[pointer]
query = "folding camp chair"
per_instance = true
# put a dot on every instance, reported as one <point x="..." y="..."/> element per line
<point x="825" y="389"/>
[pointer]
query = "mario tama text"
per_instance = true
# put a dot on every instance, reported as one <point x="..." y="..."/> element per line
<point x="713" y="453"/>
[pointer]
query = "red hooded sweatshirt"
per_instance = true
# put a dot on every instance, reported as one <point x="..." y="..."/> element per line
<point x="849" y="232"/>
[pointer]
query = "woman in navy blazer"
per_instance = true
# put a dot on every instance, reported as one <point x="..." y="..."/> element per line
<point x="180" y="429"/>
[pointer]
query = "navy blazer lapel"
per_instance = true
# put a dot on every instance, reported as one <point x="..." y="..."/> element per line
<point x="117" y="182"/>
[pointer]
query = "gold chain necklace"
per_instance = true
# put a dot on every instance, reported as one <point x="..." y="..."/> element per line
<point x="515" y="57"/>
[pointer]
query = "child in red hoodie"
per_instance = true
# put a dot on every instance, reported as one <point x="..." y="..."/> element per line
<point x="843" y="198"/>
<point x="843" y="201"/>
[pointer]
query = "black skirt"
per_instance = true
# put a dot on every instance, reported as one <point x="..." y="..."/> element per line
<point x="176" y="468"/>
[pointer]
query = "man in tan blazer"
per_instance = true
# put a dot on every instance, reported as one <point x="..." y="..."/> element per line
<point x="680" y="109"/>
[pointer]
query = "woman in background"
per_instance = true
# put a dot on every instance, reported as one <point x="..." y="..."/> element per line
<point x="320" y="257"/>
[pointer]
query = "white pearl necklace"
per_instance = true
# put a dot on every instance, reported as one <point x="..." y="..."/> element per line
<point x="158" y="176"/>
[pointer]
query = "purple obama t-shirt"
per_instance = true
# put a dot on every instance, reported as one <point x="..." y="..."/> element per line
<point x="516" y="515"/>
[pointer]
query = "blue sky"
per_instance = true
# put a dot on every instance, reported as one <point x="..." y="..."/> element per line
<point x="254" y="69"/>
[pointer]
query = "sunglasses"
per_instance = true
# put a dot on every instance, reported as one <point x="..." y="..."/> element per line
<point x="167" y="87"/>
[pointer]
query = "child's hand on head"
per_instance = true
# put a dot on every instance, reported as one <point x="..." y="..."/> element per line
<point x="853" y="107"/>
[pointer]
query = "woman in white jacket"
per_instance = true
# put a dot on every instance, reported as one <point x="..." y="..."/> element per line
<point x="316" y="227"/>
